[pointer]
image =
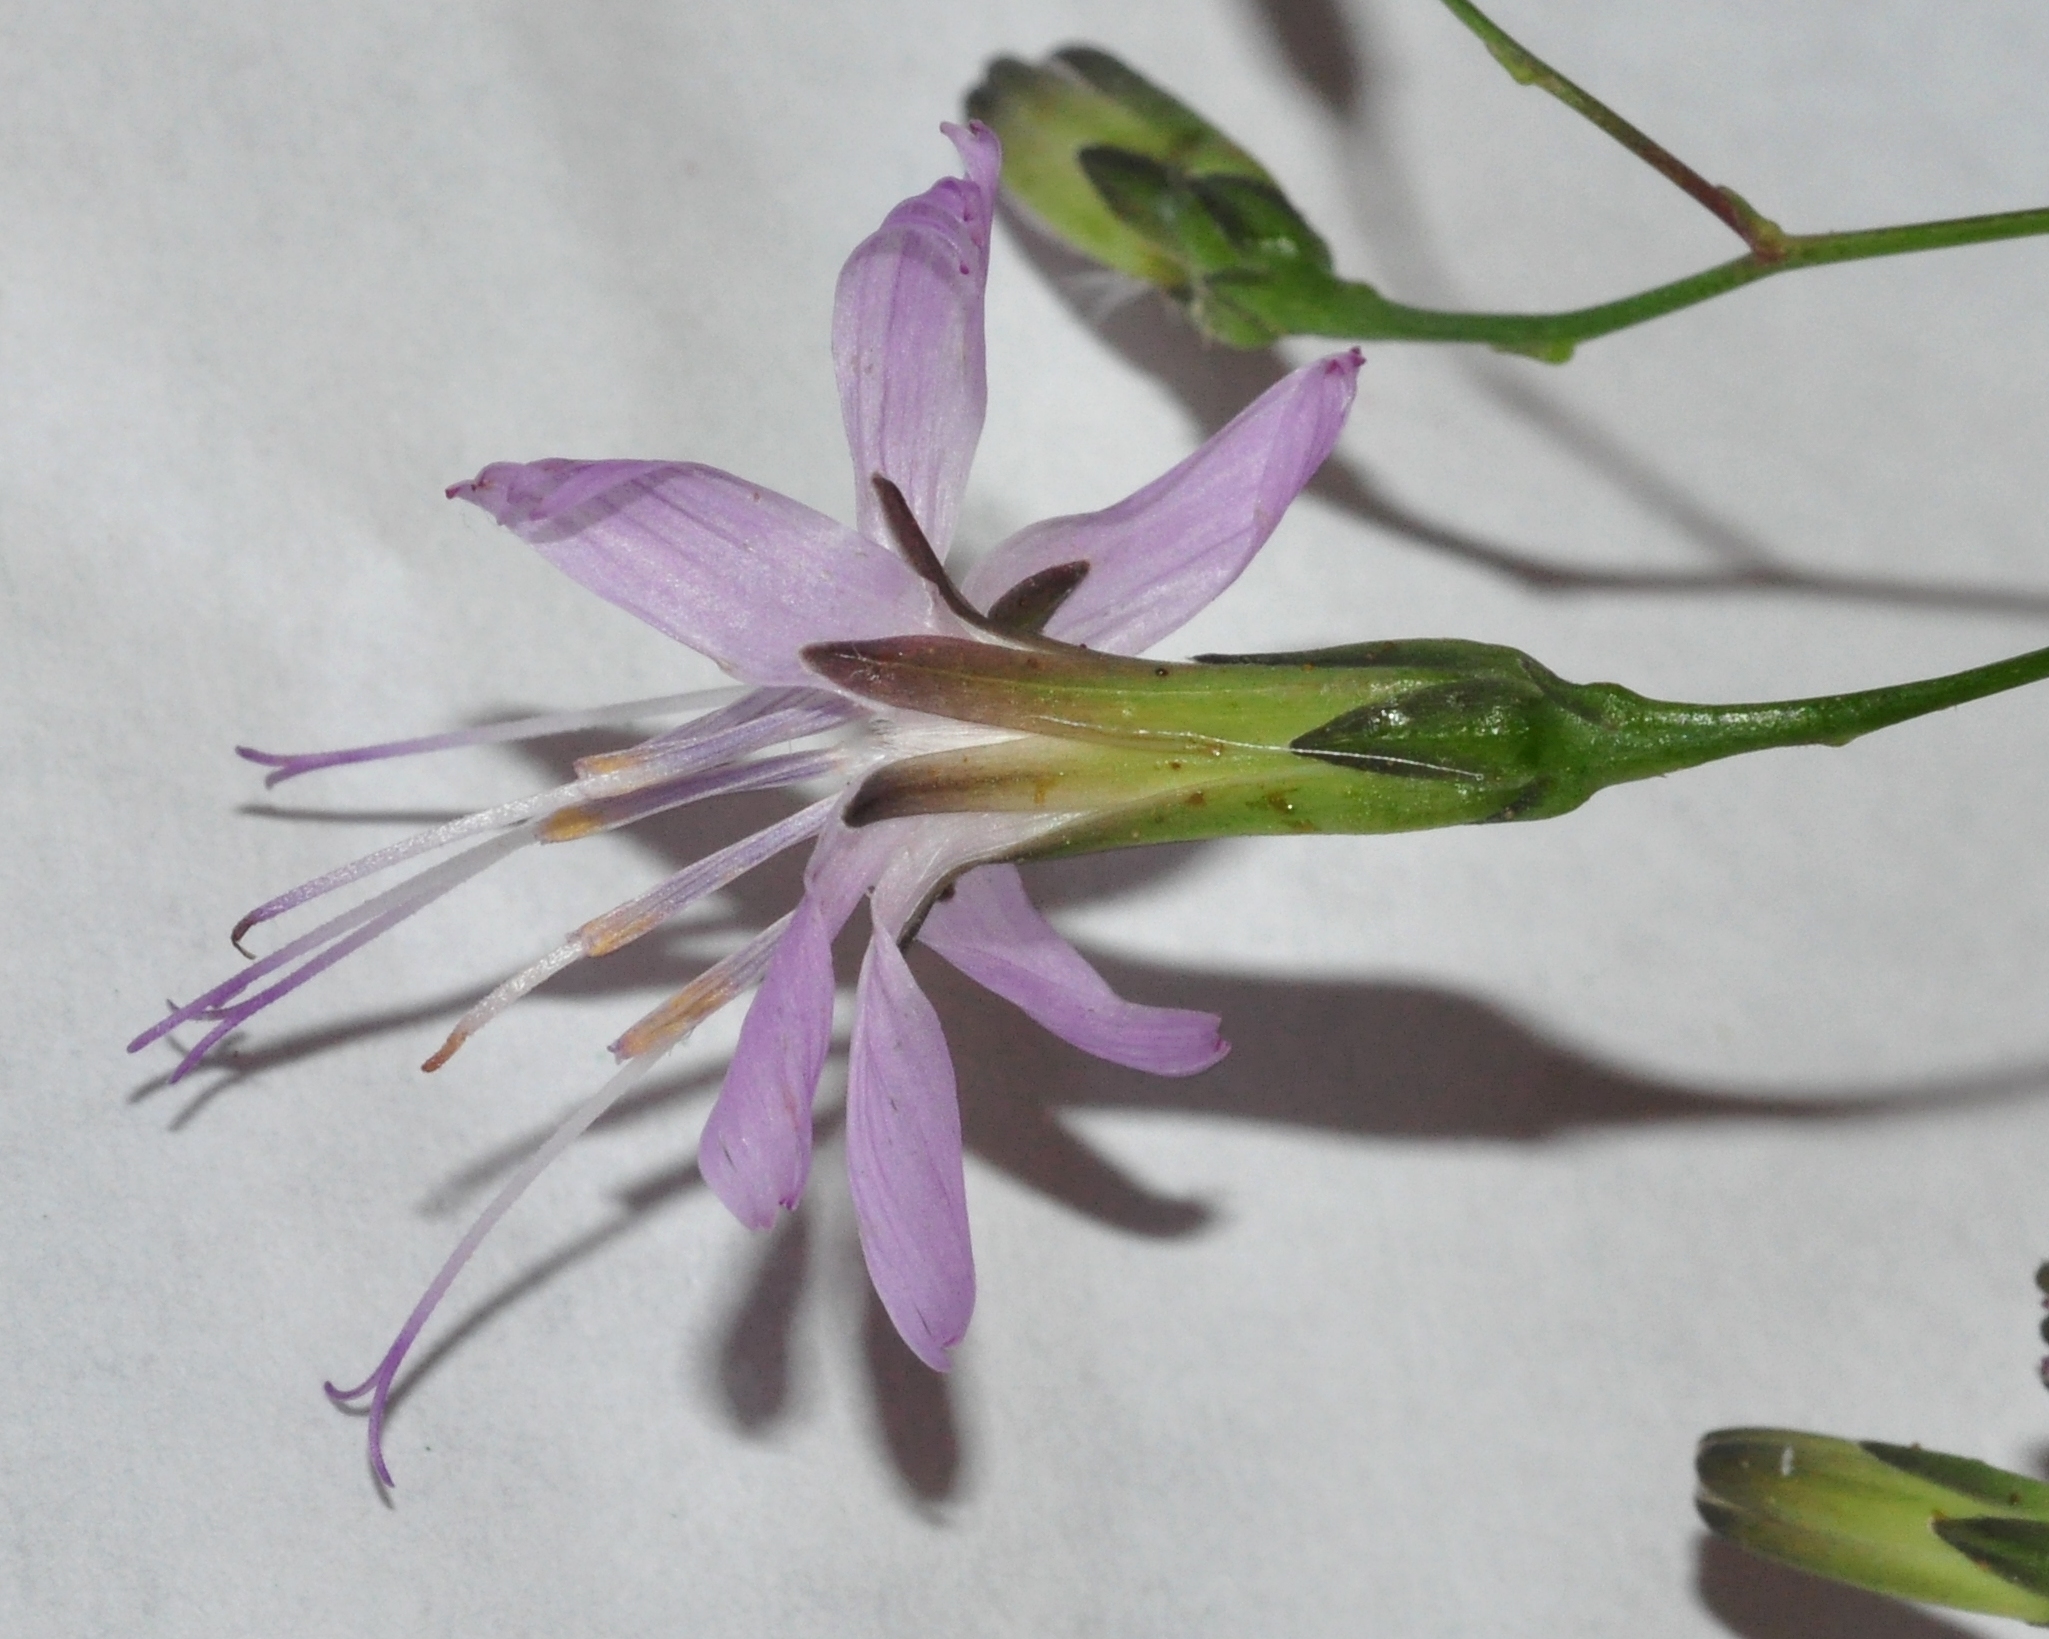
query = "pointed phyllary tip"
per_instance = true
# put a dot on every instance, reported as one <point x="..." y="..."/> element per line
<point x="1894" y="1520"/>
<point x="1132" y="177"/>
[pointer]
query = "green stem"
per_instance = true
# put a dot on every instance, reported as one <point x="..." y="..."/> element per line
<point x="1654" y="737"/>
<point x="1760" y="233"/>
<point x="1358" y="312"/>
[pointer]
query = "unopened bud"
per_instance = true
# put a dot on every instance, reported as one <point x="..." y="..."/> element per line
<point x="1893" y="1519"/>
<point x="1135" y="179"/>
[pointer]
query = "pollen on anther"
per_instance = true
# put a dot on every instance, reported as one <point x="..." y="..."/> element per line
<point x="571" y="823"/>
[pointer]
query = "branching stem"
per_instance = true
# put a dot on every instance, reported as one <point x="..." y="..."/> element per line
<point x="1358" y="312"/>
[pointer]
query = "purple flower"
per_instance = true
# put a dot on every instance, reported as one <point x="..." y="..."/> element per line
<point x="754" y="580"/>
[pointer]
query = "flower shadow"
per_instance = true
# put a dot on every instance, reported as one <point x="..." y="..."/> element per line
<point x="1372" y="1061"/>
<point x="1376" y="1062"/>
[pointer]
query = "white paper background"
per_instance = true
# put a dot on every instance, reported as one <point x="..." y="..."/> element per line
<point x="1542" y="1150"/>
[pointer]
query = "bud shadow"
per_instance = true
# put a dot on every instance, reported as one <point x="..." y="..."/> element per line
<point x="1757" y="1599"/>
<point x="1315" y="40"/>
<point x="1332" y="54"/>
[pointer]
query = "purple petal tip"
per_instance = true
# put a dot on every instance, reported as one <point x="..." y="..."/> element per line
<point x="980" y="150"/>
<point x="526" y="494"/>
<point x="507" y="490"/>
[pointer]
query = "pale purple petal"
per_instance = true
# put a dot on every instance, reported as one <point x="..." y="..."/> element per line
<point x="904" y="1159"/>
<point x="849" y="860"/>
<point x="756" y="1148"/>
<point x="992" y="932"/>
<point x="928" y="851"/>
<point x="1164" y="553"/>
<point x="737" y="572"/>
<point x="907" y="343"/>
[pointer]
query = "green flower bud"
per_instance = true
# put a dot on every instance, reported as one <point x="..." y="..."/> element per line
<point x="1893" y="1519"/>
<point x="1135" y="179"/>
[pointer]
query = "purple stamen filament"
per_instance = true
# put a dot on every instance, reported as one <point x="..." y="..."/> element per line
<point x="703" y="996"/>
<point x="290" y="765"/>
